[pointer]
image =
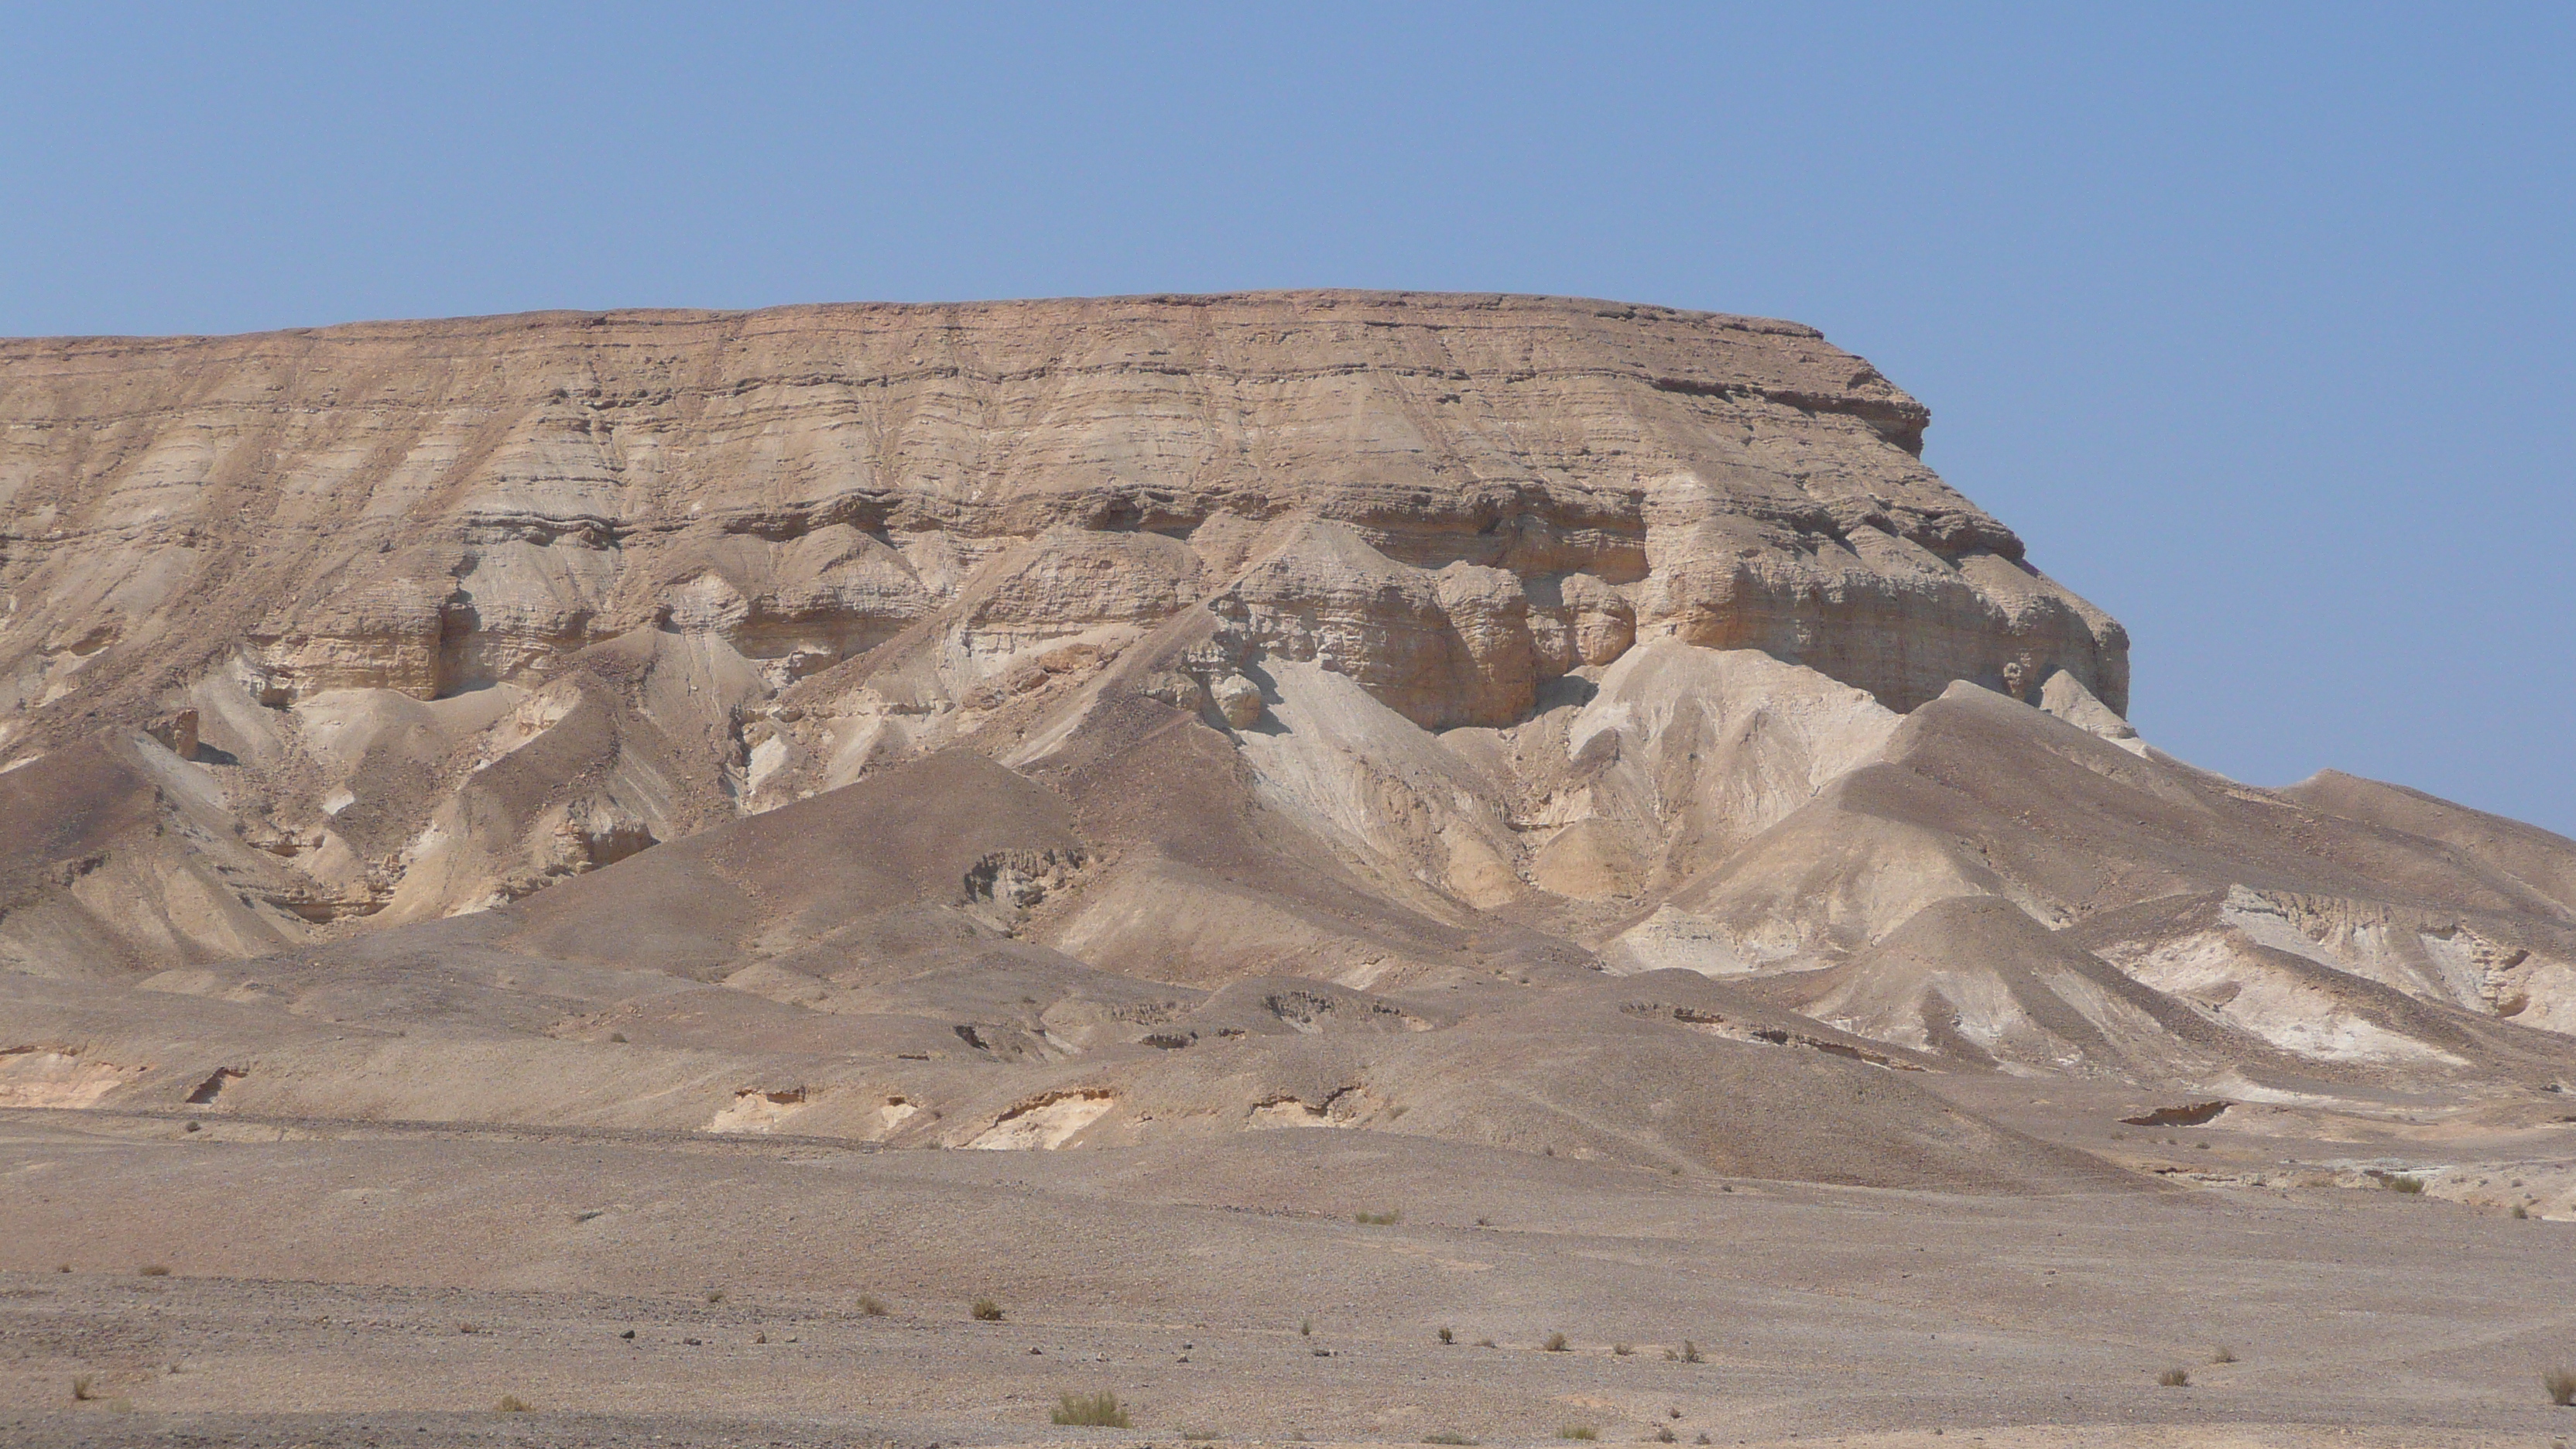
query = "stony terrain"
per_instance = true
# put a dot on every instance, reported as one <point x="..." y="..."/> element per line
<point x="533" y="821"/>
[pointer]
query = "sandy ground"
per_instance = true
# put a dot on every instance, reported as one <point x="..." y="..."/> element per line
<point x="336" y="1284"/>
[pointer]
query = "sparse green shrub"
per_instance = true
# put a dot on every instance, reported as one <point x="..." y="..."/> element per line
<point x="1556" y="1343"/>
<point x="1448" y="1334"/>
<point x="513" y="1404"/>
<point x="2174" y="1378"/>
<point x="1381" y="1220"/>
<point x="2403" y="1182"/>
<point x="2561" y="1384"/>
<point x="986" y="1311"/>
<point x="1094" y="1411"/>
<point x="1577" y="1431"/>
<point x="871" y="1305"/>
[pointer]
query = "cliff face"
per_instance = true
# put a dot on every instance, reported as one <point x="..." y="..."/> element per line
<point x="1449" y="499"/>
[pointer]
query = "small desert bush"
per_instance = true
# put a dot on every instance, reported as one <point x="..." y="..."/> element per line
<point x="986" y="1311"/>
<point x="468" y="1328"/>
<point x="1556" y="1343"/>
<point x="715" y="1295"/>
<point x="1623" y="1349"/>
<point x="1305" y="1328"/>
<point x="1687" y="1353"/>
<point x="1448" y="1334"/>
<point x="513" y="1404"/>
<point x="1096" y="1411"/>
<point x="1665" y="1435"/>
<point x="1577" y="1431"/>
<point x="871" y="1305"/>
<point x="1381" y="1220"/>
<point x="2223" y="1355"/>
<point x="2403" y="1183"/>
<point x="1446" y="1436"/>
<point x="1484" y="1343"/>
<point x="2174" y="1378"/>
<point x="154" y="1270"/>
<point x="2561" y="1384"/>
<point x="2520" y="1212"/>
<point x="84" y="1388"/>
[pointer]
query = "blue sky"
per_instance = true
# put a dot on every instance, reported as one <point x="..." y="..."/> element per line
<point x="2257" y="323"/>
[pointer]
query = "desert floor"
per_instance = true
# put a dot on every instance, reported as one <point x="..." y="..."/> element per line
<point x="336" y="1283"/>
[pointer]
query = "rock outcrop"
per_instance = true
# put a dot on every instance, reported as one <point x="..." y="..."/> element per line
<point x="1035" y="725"/>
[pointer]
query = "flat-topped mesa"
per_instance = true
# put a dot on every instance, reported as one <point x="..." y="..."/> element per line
<point x="1448" y="498"/>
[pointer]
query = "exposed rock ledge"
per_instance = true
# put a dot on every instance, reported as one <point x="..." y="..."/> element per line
<point x="1477" y="493"/>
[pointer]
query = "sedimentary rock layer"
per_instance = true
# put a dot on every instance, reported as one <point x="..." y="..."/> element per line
<point x="1448" y="498"/>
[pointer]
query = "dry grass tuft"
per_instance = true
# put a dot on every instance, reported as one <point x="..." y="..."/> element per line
<point x="986" y="1311"/>
<point x="1623" y="1349"/>
<point x="2224" y="1354"/>
<point x="513" y="1404"/>
<point x="2520" y="1212"/>
<point x="1380" y="1220"/>
<point x="1305" y="1328"/>
<point x="1093" y="1411"/>
<point x="2403" y="1182"/>
<point x="1556" y="1343"/>
<point x="1664" y="1434"/>
<point x="871" y="1305"/>
<point x="1446" y="1436"/>
<point x="154" y="1270"/>
<point x="1687" y="1353"/>
<point x="1577" y="1431"/>
<point x="2174" y="1378"/>
<point x="2561" y="1384"/>
<point x="1201" y="1436"/>
<point x="84" y="1388"/>
<point x="715" y="1295"/>
<point x="1448" y="1334"/>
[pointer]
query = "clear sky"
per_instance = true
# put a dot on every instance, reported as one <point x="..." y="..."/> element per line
<point x="2255" y="321"/>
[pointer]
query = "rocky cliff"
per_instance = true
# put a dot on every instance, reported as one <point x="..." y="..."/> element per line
<point x="1044" y="723"/>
